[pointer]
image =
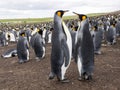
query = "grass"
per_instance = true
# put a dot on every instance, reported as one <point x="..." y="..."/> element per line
<point x="26" y="20"/>
<point x="38" y="20"/>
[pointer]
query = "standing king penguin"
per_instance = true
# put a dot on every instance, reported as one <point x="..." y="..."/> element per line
<point x="61" y="48"/>
<point x="38" y="44"/>
<point x="84" y="49"/>
<point x="23" y="48"/>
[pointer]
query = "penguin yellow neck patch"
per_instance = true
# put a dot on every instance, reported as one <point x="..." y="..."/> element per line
<point x="59" y="14"/>
<point x="23" y="35"/>
<point x="83" y="17"/>
<point x="38" y="30"/>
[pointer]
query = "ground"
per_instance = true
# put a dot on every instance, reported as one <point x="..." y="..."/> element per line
<point x="34" y="75"/>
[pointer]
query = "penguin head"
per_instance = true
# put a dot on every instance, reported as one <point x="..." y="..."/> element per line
<point x="95" y="28"/>
<point x="81" y="16"/>
<point x="40" y="31"/>
<point x="60" y="13"/>
<point x="22" y="34"/>
<point x="34" y="31"/>
<point x="8" y="35"/>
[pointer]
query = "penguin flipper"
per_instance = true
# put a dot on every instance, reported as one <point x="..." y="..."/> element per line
<point x="76" y="51"/>
<point x="65" y="52"/>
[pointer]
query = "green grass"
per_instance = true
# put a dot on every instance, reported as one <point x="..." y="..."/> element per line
<point x="38" y="20"/>
<point x="26" y="20"/>
<point x="95" y="14"/>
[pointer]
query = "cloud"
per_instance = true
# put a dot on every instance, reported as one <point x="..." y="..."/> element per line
<point x="39" y="5"/>
<point x="46" y="8"/>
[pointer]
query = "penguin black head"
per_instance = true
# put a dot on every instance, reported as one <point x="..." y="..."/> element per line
<point x="81" y="16"/>
<point x="22" y="34"/>
<point x="8" y="35"/>
<point x="40" y="31"/>
<point x="60" y="13"/>
<point x="96" y="28"/>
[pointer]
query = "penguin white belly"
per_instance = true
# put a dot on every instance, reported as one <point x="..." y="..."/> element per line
<point x="49" y="39"/>
<point x="12" y="37"/>
<point x="43" y="52"/>
<point x="44" y="32"/>
<point x="69" y="44"/>
<point x="69" y="39"/>
<point x="7" y="56"/>
<point x="6" y="35"/>
<point x="27" y="54"/>
<point x="79" y="64"/>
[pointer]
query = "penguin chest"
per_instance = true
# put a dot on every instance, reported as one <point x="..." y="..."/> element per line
<point x="68" y="36"/>
<point x="68" y="40"/>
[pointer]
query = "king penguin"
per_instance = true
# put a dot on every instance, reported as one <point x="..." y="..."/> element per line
<point x="23" y="48"/>
<point x="84" y="49"/>
<point x="9" y="53"/>
<point x="61" y="48"/>
<point x="38" y="44"/>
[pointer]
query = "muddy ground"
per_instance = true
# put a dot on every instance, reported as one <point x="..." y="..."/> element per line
<point x="34" y="75"/>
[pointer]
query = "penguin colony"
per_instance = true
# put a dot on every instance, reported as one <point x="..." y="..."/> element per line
<point x="76" y="40"/>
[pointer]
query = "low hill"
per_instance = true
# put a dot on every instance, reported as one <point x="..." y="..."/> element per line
<point x="38" y="20"/>
<point x="115" y="12"/>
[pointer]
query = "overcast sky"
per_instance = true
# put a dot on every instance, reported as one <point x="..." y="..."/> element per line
<point x="46" y="8"/>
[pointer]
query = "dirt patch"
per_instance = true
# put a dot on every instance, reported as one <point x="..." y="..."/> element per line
<point x="34" y="75"/>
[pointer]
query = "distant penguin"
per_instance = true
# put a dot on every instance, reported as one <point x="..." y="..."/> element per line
<point x="38" y="44"/>
<point x="84" y="49"/>
<point x="97" y="39"/>
<point x="12" y="35"/>
<point x="28" y="34"/>
<point x="23" y="48"/>
<point x="111" y="35"/>
<point x="3" y="40"/>
<point x="61" y="48"/>
<point x="9" y="53"/>
<point x="50" y="35"/>
<point x="73" y="31"/>
<point x="44" y="34"/>
<point x="118" y="27"/>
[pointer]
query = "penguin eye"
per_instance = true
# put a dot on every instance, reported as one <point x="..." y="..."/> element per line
<point x="83" y="17"/>
<point x="59" y="14"/>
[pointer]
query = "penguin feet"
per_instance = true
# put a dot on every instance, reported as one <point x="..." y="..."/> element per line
<point x="81" y="79"/>
<point x="88" y="77"/>
<point x="65" y="80"/>
<point x="97" y="52"/>
<point x="21" y="61"/>
<point x="37" y="59"/>
<point x="85" y="77"/>
<point x="51" y="75"/>
<point x="26" y="61"/>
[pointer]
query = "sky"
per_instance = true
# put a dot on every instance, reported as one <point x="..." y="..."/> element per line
<point x="47" y="8"/>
